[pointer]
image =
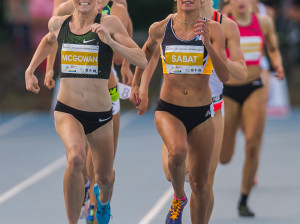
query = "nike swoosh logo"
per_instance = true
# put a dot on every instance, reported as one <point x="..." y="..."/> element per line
<point x="102" y="120"/>
<point x="87" y="41"/>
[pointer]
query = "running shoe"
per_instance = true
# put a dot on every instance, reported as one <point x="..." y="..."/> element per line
<point x="90" y="216"/>
<point x="103" y="213"/>
<point x="175" y="214"/>
<point x="85" y="204"/>
<point x="244" y="211"/>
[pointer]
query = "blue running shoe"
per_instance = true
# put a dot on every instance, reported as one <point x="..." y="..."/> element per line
<point x="90" y="216"/>
<point x="103" y="211"/>
<point x="175" y="214"/>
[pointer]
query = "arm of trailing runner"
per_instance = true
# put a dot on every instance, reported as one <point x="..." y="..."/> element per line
<point x="145" y="81"/>
<point x="65" y="8"/>
<point x="149" y="49"/>
<point x="44" y="49"/>
<point x="236" y="63"/>
<point x="272" y="45"/>
<point x="112" y="32"/>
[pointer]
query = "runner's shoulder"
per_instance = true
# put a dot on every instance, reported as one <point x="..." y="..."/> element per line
<point x="56" y="22"/>
<point x="157" y="29"/>
<point x="230" y="27"/>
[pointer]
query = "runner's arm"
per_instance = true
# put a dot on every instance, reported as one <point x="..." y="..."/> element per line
<point x="236" y="63"/>
<point x="272" y="47"/>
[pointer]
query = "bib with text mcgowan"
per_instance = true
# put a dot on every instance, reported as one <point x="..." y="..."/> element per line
<point x="79" y="59"/>
<point x="83" y="56"/>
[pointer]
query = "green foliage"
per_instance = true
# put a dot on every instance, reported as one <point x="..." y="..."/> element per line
<point x="145" y="12"/>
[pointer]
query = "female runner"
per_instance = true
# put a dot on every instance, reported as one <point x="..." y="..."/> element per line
<point x="86" y="43"/>
<point x="190" y="46"/>
<point x="245" y="103"/>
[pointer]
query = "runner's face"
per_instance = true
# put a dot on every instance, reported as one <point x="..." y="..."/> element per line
<point x="188" y="5"/>
<point x="84" y="6"/>
<point x="240" y="6"/>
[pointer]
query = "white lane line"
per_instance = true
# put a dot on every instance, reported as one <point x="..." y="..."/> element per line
<point x="57" y="164"/>
<point x="33" y="179"/>
<point x="165" y="198"/>
<point x="16" y="123"/>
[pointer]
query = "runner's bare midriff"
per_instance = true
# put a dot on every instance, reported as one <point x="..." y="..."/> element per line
<point x="196" y="86"/>
<point x="85" y="94"/>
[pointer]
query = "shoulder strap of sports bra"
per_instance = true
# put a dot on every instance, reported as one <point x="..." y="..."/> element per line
<point x="67" y="20"/>
<point x="65" y="23"/>
<point x="98" y="18"/>
<point x="110" y="4"/>
<point x="217" y="17"/>
<point x="221" y="18"/>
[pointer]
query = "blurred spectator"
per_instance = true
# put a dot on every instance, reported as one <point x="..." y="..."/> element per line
<point x="17" y="20"/>
<point x="293" y="11"/>
<point x="216" y="4"/>
<point x="40" y="13"/>
<point x="291" y="14"/>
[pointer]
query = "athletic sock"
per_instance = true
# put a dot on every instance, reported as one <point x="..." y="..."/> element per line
<point x="182" y="199"/>
<point x="103" y="204"/>
<point x="87" y="183"/>
<point x="243" y="200"/>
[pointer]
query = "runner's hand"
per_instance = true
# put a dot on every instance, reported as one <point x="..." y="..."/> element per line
<point x="31" y="82"/>
<point x="142" y="108"/>
<point x="102" y="33"/>
<point x="49" y="81"/>
<point x="134" y="96"/>
<point x="127" y="74"/>
<point x="201" y="29"/>
<point x="279" y="72"/>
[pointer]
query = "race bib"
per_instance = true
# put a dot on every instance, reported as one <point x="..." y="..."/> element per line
<point x="124" y="91"/>
<point x="184" y="59"/>
<point x="251" y="47"/>
<point x="79" y="59"/>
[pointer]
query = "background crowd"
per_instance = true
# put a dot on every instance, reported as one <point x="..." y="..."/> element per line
<point x="24" y="22"/>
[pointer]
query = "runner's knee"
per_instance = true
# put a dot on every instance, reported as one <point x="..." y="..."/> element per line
<point x="177" y="155"/>
<point x="252" y="149"/>
<point x="76" y="161"/>
<point x="105" y="179"/>
<point x="198" y="184"/>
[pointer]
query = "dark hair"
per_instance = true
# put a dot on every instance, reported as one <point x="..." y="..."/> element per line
<point x="174" y="6"/>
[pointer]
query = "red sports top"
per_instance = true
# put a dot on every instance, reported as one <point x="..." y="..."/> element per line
<point x="252" y="41"/>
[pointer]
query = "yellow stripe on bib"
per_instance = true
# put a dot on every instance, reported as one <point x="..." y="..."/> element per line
<point x="79" y="58"/>
<point x="186" y="59"/>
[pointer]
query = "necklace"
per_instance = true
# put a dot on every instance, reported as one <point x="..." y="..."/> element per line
<point x="191" y="23"/>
